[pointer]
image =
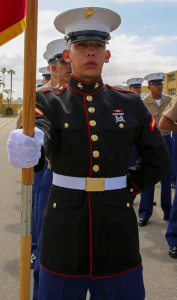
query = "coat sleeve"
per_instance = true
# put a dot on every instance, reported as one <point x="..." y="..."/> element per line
<point x="154" y="162"/>
<point x="43" y="120"/>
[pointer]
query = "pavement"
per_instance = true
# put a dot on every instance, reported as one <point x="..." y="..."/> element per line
<point x="160" y="271"/>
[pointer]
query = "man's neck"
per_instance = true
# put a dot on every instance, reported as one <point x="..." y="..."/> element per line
<point x="62" y="82"/>
<point x="157" y="96"/>
<point x="86" y="79"/>
<point x="54" y="81"/>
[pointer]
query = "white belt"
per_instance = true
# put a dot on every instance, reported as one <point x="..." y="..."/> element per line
<point x="90" y="184"/>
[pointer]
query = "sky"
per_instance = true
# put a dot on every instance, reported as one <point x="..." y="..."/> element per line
<point x="145" y="42"/>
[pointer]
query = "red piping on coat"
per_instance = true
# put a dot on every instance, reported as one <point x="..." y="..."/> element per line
<point x="54" y="91"/>
<point x="89" y="275"/>
<point x="118" y="274"/>
<point x="84" y="81"/>
<point x="90" y="220"/>
<point x="63" y="274"/>
<point x="121" y="90"/>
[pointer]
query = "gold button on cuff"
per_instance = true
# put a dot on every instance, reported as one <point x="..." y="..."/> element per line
<point x="92" y="123"/>
<point x="96" y="154"/>
<point x="54" y="205"/>
<point x="131" y="190"/>
<point x="91" y="110"/>
<point x="121" y="125"/>
<point x="128" y="204"/>
<point x="94" y="138"/>
<point x="66" y="125"/>
<point x="89" y="98"/>
<point x="96" y="168"/>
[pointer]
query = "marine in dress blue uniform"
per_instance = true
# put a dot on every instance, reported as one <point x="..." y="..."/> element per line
<point x="168" y="121"/>
<point x="90" y="228"/>
<point x="156" y="103"/>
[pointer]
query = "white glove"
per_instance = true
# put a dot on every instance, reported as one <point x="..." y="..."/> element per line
<point x="24" y="151"/>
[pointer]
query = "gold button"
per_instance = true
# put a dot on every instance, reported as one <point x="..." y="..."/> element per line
<point x="128" y="204"/>
<point x="131" y="190"/>
<point x="66" y="125"/>
<point x="92" y="123"/>
<point x="61" y="88"/>
<point x="121" y="125"/>
<point x="54" y="205"/>
<point x="91" y="110"/>
<point x="96" y="85"/>
<point x="96" y="154"/>
<point x="80" y="85"/>
<point x="94" y="137"/>
<point x="89" y="98"/>
<point x="96" y="168"/>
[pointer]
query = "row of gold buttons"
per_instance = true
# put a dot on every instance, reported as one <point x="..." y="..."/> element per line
<point x="94" y="137"/>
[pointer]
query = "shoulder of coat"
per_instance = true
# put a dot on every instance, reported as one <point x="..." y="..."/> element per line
<point x="119" y="90"/>
<point x="54" y="90"/>
<point x="167" y="97"/>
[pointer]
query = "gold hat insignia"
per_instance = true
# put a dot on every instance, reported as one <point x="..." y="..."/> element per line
<point x="137" y="79"/>
<point x="89" y="12"/>
<point x="158" y="74"/>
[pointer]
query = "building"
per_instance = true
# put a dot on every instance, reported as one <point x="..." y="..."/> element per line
<point x="170" y="85"/>
<point x="13" y="107"/>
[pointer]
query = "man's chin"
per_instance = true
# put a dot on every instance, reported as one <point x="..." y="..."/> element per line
<point x="91" y="74"/>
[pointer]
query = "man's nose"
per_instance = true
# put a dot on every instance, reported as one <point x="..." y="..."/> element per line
<point x="91" y="52"/>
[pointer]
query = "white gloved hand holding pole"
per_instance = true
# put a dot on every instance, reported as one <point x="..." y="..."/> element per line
<point x="24" y="151"/>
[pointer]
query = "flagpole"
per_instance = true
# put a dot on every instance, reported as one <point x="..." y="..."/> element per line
<point x="29" y="96"/>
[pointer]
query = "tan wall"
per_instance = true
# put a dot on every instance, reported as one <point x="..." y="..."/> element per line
<point x="3" y="107"/>
<point x="144" y="89"/>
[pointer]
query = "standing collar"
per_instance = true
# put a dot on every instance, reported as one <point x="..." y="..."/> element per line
<point x="83" y="87"/>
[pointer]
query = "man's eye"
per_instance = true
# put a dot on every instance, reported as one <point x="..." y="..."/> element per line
<point x="99" y="45"/>
<point x="81" y="44"/>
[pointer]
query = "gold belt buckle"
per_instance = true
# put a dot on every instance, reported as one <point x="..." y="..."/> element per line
<point x="94" y="184"/>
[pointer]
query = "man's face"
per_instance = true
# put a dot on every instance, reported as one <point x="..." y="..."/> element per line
<point x="63" y="70"/>
<point x="87" y="58"/>
<point x="156" y="88"/>
<point x="136" y="90"/>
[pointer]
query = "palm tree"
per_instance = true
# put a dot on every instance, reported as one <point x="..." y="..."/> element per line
<point x="3" y="71"/>
<point x="8" y="98"/>
<point x="3" y="85"/>
<point x="11" y="72"/>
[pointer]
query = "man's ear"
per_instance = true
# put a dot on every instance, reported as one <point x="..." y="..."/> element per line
<point x="107" y="57"/>
<point x="54" y="68"/>
<point x="66" y="55"/>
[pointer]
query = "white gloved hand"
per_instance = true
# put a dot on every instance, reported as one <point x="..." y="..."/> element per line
<point x="24" y="151"/>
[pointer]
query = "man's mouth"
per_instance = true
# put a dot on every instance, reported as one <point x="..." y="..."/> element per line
<point x="91" y="64"/>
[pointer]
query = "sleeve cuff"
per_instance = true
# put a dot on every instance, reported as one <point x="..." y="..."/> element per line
<point x="133" y="189"/>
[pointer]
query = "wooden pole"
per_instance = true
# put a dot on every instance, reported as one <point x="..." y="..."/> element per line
<point x="29" y="97"/>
